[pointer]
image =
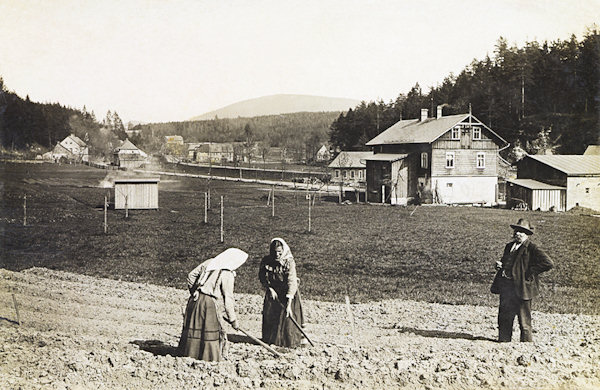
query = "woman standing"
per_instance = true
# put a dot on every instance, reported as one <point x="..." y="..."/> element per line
<point x="277" y="274"/>
<point x="211" y="297"/>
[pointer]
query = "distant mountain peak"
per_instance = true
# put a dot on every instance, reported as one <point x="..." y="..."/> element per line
<point x="280" y="104"/>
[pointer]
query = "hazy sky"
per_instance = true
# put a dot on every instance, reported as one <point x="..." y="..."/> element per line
<point x="166" y="60"/>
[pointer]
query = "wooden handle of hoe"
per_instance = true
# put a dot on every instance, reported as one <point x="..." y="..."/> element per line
<point x="297" y="325"/>
<point x="274" y="352"/>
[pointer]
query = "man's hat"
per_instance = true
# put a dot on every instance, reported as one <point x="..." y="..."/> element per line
<point x="523" y="226"/>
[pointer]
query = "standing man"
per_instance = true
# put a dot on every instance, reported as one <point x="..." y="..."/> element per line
<point x="517" y="281"/>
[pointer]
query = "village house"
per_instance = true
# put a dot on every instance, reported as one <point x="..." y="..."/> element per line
<point x="323" y="154"/>
<point x="72" y="148"/>
<point x="447" y="159"/>
<point x="350" y="168"/>
<point x="215" y="153"/>
<point x="558" y="182"/>
<point x="129" y="156"/>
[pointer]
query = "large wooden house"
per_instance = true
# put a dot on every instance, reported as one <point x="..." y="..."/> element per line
<point x="447" y="159"/>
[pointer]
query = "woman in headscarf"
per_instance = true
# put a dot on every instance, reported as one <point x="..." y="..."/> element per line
<point x="277" y="274"/>
<point x="210" y="303"/>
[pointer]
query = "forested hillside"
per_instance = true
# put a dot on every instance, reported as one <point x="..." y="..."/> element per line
<point x="28" y="126"/>
<point x="540" y="96"/>
<point x="296" y="131"/>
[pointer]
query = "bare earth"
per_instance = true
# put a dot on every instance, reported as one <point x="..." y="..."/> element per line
<point x="79" y="332"/>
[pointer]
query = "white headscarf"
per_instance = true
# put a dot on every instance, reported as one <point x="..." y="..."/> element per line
<point x="287" y="252"/>
<point x="230" y="259"/>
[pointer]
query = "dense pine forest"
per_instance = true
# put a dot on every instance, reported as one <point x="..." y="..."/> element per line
<point x="540" y="96"/>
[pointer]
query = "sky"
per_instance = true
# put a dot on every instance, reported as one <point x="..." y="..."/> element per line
<point x="170" y="60"/>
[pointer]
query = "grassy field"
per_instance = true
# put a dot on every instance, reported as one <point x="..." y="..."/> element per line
<point x="369" y="252"/>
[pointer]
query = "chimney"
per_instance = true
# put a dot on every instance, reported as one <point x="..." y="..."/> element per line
<point x="424" y="114"/>
<point x="439" y="111"/>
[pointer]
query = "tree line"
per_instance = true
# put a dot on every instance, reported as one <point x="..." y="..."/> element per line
<point x="542" y="95"/>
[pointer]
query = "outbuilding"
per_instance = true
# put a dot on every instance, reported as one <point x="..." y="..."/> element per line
<point x="577" y="175"/>
<point x="136" y="193"/>
<point x="535" y="195"/>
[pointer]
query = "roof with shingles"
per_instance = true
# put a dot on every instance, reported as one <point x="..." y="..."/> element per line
<point x="414" y="131"/>
<point x="572" y="164"/>
<point x="350" y="160"/>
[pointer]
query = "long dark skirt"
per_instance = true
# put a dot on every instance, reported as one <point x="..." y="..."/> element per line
<point x="276" y="327"/>
<point x="200" y="337"/>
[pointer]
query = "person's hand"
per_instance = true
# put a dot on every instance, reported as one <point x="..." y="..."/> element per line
<point x="234" y="325"/>
<point x="288" y="308"/>
<point x="498" y="265"/>
<point x="273" y="293"/>
<point x="196" y="295"/>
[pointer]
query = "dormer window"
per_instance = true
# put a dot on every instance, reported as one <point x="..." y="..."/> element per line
<point x="476" y="132"/>
<point x="456" y="132"/>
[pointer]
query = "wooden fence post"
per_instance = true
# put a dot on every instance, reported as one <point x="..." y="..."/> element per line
<point x="126" y="207"/>
<point x="105" y="217"/>
<point x="205" y="208"/>
<point x="25" y="210"/>
<point x="273" y="202"/>
<point x="309" y="217"/>
<point x="221" y="218"/>
<point x="16" y="309"/>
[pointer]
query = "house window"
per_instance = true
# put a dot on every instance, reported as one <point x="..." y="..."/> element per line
<point x="456" y="132"/>
<point x="587" y="190"/>
<point x="449" y="159"/>
<point x="337" y="173"/>
<point x="424" y="160"/>
<point x="360" y="174"/>
<point x="345" y="173"/>
<point x="476" y="132"/>
<point x="449" y="185"/>
<point x="480" y="160"/>
<point x="352" y="174"/>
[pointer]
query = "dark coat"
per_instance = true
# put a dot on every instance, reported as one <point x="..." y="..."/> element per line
<point x="530" y="261"/>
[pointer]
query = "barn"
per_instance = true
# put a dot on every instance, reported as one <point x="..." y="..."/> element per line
<point x="136" y="193"/>
<point x="578" y="177"/>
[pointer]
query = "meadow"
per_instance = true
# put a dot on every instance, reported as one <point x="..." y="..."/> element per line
<point x="368" y="252"/>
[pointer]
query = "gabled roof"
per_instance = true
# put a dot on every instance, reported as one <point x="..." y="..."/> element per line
<point x="77" y="140"/>
<point x="593" y="150"/>
<point x="414" y="131"/>
<point x="350" y="160"/>
<point x="573" y="164"/>
<point x="127" y="145"/>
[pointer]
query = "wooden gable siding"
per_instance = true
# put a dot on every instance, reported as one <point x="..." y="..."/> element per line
<point x="529" y="168"/>
<point x="465" y="163"/>
<point x="465" y="154"/>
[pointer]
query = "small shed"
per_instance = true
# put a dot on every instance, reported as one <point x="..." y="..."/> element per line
<point x="535" y="195"/>
<point x="136" y="193"/>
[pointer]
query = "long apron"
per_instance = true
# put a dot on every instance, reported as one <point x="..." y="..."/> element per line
<point x="201" y="334"/>
<point x="279" y="329"/>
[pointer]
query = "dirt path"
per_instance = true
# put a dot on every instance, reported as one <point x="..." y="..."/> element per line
<point x="80" y="332"/>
